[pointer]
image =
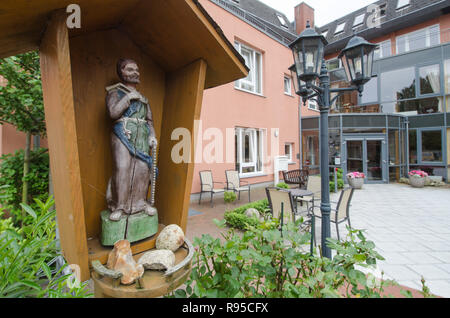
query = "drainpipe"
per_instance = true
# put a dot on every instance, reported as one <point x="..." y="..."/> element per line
<point x="407" y="145"/>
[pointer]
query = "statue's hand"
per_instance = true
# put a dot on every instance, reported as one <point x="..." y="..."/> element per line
<point x="153" y="142"/>
<point x="133" y="95"/>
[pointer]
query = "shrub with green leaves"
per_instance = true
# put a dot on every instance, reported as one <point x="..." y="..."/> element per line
<point x="229" y="197"/>
<point x="11" y="176"/>
<point x="265" y="262"/>
<point x="283" y="185"/>
<point x="237" y="218"/>
<point x="25" y="255"/>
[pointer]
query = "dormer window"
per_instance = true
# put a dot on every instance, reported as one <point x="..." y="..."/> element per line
<point x="340" y="28"/>
<point x="403" y="4"/>
<point x="359" y="20"/>
<point x="282" y="21"/>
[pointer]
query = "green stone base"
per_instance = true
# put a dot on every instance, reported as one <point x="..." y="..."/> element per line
<point x="140" y="227"/>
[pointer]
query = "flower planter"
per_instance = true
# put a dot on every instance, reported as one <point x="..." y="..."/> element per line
<point x="356" y="183"/>
<point x="416" y="181"/>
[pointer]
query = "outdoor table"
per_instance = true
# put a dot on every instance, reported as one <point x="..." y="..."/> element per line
<point x="300" y="193"/>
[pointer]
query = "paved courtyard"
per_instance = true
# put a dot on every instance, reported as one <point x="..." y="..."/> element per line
<point x="410" y="228"/>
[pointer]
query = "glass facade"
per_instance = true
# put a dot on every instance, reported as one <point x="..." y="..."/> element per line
<point x="407" y="105"/>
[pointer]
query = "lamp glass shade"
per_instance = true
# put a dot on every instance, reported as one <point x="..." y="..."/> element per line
<point x="357" y="59"/>
<point x="308" y="55"/>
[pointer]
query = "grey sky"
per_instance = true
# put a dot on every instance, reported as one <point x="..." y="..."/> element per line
<point x="325" y="10"/>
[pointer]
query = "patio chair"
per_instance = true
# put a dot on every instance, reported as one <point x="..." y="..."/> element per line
<point x="342" y="211"/>
<point x="234" y="183"/>
<point x="276" y="196"/>
<point x="207" y="185"/>
<point x="297" y="177"/>
<point x="313" y="185"/>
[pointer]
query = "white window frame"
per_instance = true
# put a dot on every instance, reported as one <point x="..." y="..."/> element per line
<point x="356" y="25"/>
<point x="289" y="79"/>
<point x="240" y="132"/>
<point x="401" y="4"/>
<point x="380" y="44"/>
<point x="252" y="79"/>
<point x="312" y="105"/>
<point x="408" y="35"/>
<point x="340" y="29"/>
<point x="291" y="151"/>
<point x="282" y="21"/>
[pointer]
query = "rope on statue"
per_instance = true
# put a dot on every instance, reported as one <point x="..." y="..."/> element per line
<point x="155" y="159"/>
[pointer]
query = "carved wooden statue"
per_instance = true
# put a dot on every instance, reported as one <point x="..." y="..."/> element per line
<point x="133" y="139"/>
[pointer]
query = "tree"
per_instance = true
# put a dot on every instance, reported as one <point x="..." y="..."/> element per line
<point x="21" y="102"/>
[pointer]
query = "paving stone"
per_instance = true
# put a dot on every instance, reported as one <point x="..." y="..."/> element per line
<point x="430" y="272"/>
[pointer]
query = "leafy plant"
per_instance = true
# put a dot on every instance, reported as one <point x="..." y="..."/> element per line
<point x="11" y="177"/>
<point x="237" y="218"/>
<point x="340" y="179"/>
<point x="282" y="185"/>
<point x="266" y="262"/>
<point x="25" y="255"/>
<point x="229" y="197"/>
<point x="21" y="103"/>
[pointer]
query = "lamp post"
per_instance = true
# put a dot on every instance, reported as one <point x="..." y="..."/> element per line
<point x="310" y="66"/>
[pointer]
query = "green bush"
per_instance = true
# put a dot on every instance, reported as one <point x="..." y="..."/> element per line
<point x="267" y="263"/>
<point x="340" y="179"/>
<point x="24" y="258"/>
<point x="11" y="176"/>
<point x="229" y="197"/>
<point x="282" y="185"/>
<point x="237" y="218"/>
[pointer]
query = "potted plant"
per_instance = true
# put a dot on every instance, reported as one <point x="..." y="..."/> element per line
<point x="417" y="178"/>
<point x="356" y="179"/>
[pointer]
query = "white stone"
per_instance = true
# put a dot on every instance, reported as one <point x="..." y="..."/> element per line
<point x="159" y="260"/>
<point x="170" y="238"/>
<point x="252" y="213"/>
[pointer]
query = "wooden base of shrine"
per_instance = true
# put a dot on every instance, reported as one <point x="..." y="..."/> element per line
<point x="154" y="283"/>
<point x="97" y="251"/>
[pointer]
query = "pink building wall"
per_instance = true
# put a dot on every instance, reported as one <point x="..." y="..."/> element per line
<point x="227" y="107"/>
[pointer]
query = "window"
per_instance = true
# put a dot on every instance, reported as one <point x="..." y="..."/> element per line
<point x="430" y="80"/>
<point x="398" y="84"/>
<point x="412" y="146"/>
<point x="382" y="10"/>
<point x="253" y="60"/>
<point x="418" y="39"/>
<point x="287" y="85"/>
<point x="383" y="50"/>
<point x="431" y="146"/>
<point x="359" y="20"/>
<point x="288" y="151"/>
<point x="312" y="104"/>
<point x="447" y="76"/>
<point x="282" y="21"/>
<point x="420" y="106"/>
<point x="340" y="28"/>
<point x="249" y="150"/>
<point x="370" y="93"/>
<point x="402" y="3"/>
<point x="311" y="150"/>
<point x="333" y="64"/>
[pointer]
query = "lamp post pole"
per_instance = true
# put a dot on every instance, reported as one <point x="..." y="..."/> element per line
<point x="325" y="207"/>
<point x="357" y="58"/>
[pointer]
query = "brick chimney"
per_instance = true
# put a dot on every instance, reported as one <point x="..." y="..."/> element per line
<point x="303" y="13"/>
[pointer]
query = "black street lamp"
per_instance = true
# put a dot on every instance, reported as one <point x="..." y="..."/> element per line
<point x="357" y="58"/>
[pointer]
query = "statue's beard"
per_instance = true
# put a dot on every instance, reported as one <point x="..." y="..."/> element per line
<point x="131" y="79"/>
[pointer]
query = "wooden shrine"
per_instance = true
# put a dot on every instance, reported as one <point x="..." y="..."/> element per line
<point x="180" y="51"/>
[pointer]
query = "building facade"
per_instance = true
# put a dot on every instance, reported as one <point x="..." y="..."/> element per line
<point x="246" y="124"/>
<point x="402" y="120"/>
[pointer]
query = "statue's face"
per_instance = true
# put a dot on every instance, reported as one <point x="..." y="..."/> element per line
<point x="130" y="73"/>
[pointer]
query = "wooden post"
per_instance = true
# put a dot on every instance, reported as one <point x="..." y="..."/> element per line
<point x="62" y="140"/>
<point x="182" y="106"/>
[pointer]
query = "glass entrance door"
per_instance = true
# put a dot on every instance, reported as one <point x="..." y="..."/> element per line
<point x="374" y="160"/>
<point x="366" y="155"/>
